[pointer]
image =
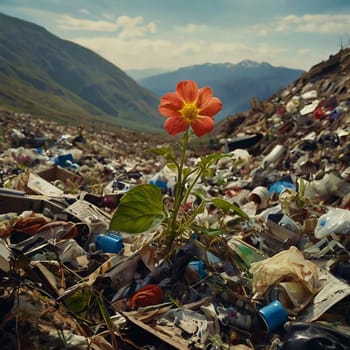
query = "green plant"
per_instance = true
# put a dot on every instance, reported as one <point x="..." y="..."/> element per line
<point x="142" y="208"/>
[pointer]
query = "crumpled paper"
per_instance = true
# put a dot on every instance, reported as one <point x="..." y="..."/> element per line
<point x="288" y="265"/>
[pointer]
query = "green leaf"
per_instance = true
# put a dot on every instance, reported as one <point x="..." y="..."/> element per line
<point x="209" y="172"/>
<point x="160" y="151"/>
<point x="79" y="301"/>
<point x="172" y="166"/>
<point x="166" y="152"/>
<point x="211" y="158"/>
<point x="104" y="312"/>
<point x="140" y="209"/>
<point x="301" y="187"/>
<point x="200" y="229"/>
<point x="227" y="206"/>
<point x="200" y="193"/>
<point x="214" y="232"/>
<point x="186" y="171"/>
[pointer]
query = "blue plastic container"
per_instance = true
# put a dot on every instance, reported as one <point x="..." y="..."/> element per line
<point x="109" y="242"/>
<point x="274" y="315"/>
<point x="64" y="160"/>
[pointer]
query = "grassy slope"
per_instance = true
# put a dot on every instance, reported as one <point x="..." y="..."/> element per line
<point x="45" y="75"/>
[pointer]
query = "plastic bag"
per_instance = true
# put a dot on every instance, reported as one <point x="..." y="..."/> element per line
<point x="305" y="336"/>
<point x="288" y="265"/>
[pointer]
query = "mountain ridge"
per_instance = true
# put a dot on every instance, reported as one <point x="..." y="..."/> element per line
<point x="234" y="83"/>
<point x="44" y="73"/>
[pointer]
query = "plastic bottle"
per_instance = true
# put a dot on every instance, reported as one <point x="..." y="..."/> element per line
<point x="335" y="221"/>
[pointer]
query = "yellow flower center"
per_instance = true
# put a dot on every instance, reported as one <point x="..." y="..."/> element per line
<point x="189" y="111"/>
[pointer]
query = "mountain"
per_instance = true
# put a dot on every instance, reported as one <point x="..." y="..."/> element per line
<point x="138" y="74"/>
<point x="234" y="84"/>
<point x="309" y="117"/>
<point x="42" y="74"/>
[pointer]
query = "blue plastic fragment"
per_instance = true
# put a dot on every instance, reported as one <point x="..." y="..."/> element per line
<point x="279" y="186"/>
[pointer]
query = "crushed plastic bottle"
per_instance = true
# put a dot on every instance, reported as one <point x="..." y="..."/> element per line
<point x="335" y="221"/>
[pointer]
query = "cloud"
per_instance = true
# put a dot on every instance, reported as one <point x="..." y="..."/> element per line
<point x="114" y="48"/>
<point x="262" y="32"/>
<point x="134" y="27"/>
<point x="109" y="16"/>
<point x="192" y="28"/>
<point x="308" y="23"/>
<point x="316" y="23"/>
<point x="137" y="53"/>
<point x="71" y="23"/>
<point x="304" y="51"/>
<point x="84" y="11"/>
<point x="127" y="27"/>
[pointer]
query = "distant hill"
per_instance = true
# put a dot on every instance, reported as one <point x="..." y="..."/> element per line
<point x="234" y="84"/>
<point x="47" y="76"/>
<point x="139" y="74"/>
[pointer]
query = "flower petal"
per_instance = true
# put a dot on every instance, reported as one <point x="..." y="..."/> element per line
<point x="213" y="107"/>
<point x="204" y="96"/>
<point x="187" y="90"/>
<point x="202" y="125"/>
<point x="169" y="105"/>
<point x="168" y="112"/>
<point x="176" y="125"/>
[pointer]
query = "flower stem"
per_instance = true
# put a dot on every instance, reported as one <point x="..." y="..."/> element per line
<point x="194" y="182"/>
<point x="178" y="190"/>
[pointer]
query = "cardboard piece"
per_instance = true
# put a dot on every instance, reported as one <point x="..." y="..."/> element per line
<point x="57" y="173"/>
<point x="97" y="220"/>
<point x="4" y="257"/>
<point x="17" y="203"/>
<point x="167" y="334"/>
<point x="39" y="185"/>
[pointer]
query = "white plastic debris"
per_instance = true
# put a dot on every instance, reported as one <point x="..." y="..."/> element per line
<point x="335" y="221"/>
<point x="274" y="156"/>
<point x="293" y="104"/>
<point x="309" y="95"/>
<point x="309" y="108"/>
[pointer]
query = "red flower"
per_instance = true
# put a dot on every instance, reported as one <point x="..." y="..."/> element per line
<point x="188" y="107"/>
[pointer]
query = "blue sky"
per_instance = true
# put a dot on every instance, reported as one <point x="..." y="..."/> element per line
<point x="168" y="34"/>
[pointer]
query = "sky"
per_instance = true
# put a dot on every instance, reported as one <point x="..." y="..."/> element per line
<point x="170" y="34"/>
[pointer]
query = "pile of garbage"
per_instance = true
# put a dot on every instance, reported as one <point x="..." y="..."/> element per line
<point x="274" y="278"/>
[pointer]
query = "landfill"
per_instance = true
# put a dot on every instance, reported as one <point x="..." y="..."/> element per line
<point x="276" y="277"/>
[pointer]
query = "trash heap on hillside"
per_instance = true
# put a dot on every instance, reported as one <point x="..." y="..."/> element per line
<point x="277" y="280"/>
